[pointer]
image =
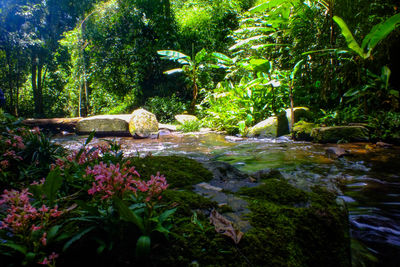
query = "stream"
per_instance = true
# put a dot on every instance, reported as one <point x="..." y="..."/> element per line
<point x="367" y="178"/>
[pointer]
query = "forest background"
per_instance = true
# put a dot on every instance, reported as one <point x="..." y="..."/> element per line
<point x="238" y="61"/>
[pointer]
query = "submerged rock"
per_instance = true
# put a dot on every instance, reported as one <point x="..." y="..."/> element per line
<point x="143" y="123"/>
<point x="340" y="133"/>
<point x="336" y="152"/>
<point x="114" y="125"/>
<point x="272" y="127"/>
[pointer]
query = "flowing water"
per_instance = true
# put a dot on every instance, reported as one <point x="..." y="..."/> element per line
<point x="367" y="179"/>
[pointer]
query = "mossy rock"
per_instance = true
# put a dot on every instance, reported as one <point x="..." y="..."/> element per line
<point x="300" y="113"/>
<point x="282" y="234"/>
<point x="340" y="133"/>
<point x="277" y="191"/>
<point x="302" y="130"/>
<point x="143" y="123"/>
<point x="103" y="125"/>
<point x="272" y="127"/>
<point x="180" y="172"/>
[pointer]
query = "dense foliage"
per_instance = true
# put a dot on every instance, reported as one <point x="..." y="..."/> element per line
<point x="340" y="58"/>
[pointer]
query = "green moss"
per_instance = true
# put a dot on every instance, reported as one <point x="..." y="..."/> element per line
<point x="187" y="201"/>
<point x="334" y="134"/>
<point x="283" y="234"/>
<point x="316" y="235"/>
<point x="277" y="191"/>
<point x="180" y="172"/>
<point x="302" y="130"/>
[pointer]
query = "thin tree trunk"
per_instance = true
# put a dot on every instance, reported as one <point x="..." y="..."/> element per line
<point x="10" y="81"/>
<point x="39" y="88"/>
<point x="33" y="80"/>
<point x="291" y="109"/>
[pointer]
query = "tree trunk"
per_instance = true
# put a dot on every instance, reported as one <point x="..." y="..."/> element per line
<point x="291" y="109"/>
<point x="33" y="81"/>
<point x="40" y="89"/>
<point x="10" y="81"/>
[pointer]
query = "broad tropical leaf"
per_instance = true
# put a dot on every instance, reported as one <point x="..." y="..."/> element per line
<point x="172" y="54"/>
<point x="380" y="31"/>
<point x="173" y="71"/>
<point x="128" y="215"/>
<point x="52" y="184"/>
<point x="248" y="40"/>
<point x="267" y="6"/>
<point x="351" y="42"/>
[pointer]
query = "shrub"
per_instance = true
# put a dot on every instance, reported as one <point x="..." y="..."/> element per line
<point x="165" y="108"/>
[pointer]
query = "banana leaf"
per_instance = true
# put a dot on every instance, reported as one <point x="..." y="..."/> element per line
<point x="351" y="42"/>
<point x="380" y="31"/>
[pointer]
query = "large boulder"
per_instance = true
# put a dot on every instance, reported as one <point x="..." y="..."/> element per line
<point x="143" y="123"/>
<point x="183" y="118"/>
<point x="114" y="125"/>
<point x="302" y="130"/>
<point x="340" y="133"/>
<point x="300" y="113"/>
<point x="272" y="127"/>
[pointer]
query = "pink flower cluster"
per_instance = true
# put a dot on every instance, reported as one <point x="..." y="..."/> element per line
<point x="111" y="180"/>
<point x="87" y="155"/>
<point x="22" y="216"/>
<point x="13" y="143"/>
<point x="154" y="187"/>
<point x="50" y="260"/>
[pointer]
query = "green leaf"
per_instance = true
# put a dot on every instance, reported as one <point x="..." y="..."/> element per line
<point x="260" y="65"/>
<point x="51" y="234"/>
<point x="172" y="54"/>
<point x="77" y="237"/>
<point x="394" y="93"/>
<point x="248" y="40"/>
<point x="380" y="31"/>
<point x="201" y="56"/>
<point x="90" y="138"/>
<point x="385" y="76"/>
<point x="52" y="184"/>
<point x="165" y="215"/>
<point x="296" y="68"/>
<point x="128" y="215"/>
<point x="351" y="92"/>
<point x="267" y="6"/>
<point x="143" y="246"/>
<point x="15" y="247"/>
<point x="351" y="42"/>
<point x="222" y="58"/>
<point x="173" y="71"/>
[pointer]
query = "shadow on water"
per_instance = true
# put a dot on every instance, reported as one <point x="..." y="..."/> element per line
<point x="367" y="178"/>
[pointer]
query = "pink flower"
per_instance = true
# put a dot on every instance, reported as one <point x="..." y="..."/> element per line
<point x="36" y="130"/>
<point x="4" y="164"/>
<point x="111" y="180"/>
<point x="53" y="256"/>
<point x="44" y="208"/>
<point x="36" y="228"/>
<point x="43" y="239"/>
<point x="45" y="261"/>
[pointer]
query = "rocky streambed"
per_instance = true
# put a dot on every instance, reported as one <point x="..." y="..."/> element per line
<point x="365" y="176"/>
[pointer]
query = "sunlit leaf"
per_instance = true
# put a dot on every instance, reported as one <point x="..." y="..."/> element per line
<point x="380" y="31"/>
<point x="351" y="42"/>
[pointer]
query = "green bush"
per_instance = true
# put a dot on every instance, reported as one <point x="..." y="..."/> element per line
<point x="190" y="126"/>
<point x="165" y="108"/>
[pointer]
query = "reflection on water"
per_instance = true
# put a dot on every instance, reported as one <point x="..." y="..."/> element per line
<point x="368" y="178"/>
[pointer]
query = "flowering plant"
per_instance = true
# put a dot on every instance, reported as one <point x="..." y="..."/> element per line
<point x="26" y="228"/>
<point x="25" y="154"/>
